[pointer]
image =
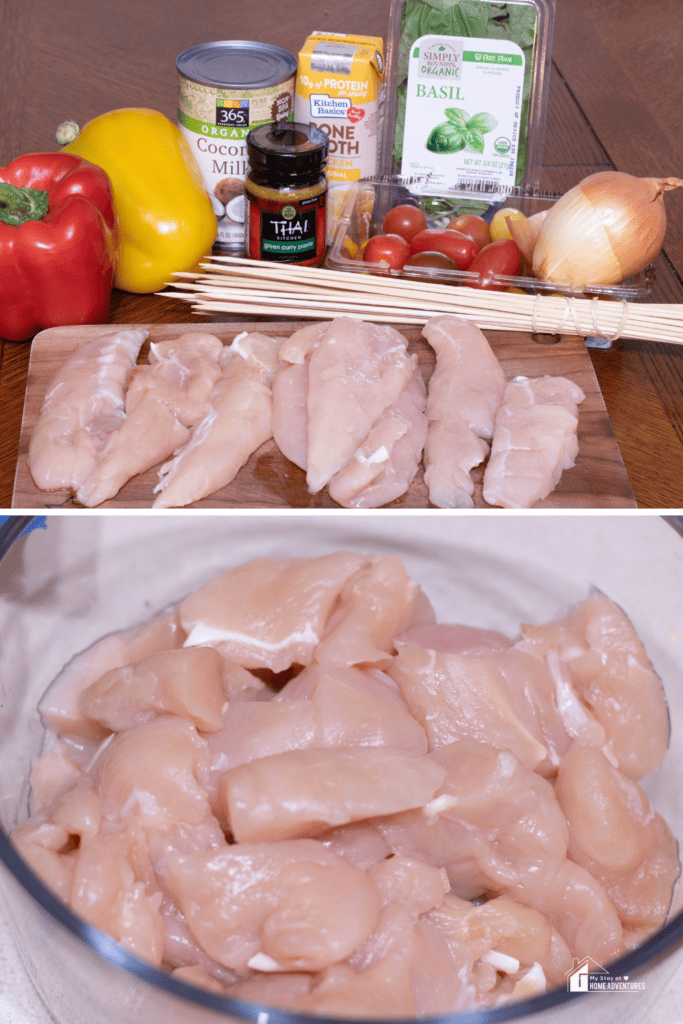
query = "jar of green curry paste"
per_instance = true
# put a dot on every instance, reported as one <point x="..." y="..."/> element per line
<point x="286" y="193"/>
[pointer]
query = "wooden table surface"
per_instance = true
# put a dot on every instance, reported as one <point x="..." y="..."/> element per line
<point x="614" y="102"/>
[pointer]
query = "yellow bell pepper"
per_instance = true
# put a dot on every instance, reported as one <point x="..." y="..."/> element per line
<point x="165" y="218"/>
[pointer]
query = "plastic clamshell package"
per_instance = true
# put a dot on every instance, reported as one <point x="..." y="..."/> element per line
<point x="531" y="123"/>
<point x="370" y="200"/>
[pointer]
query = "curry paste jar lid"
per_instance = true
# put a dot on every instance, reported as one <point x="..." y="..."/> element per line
<point x="287" y="148"/>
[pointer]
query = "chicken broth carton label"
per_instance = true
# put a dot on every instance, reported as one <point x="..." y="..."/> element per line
<point x="339" y="90"/>
<point x="463" y="110"/>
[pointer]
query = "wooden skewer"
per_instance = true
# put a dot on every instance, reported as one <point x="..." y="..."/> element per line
<point x="232" y="284"/>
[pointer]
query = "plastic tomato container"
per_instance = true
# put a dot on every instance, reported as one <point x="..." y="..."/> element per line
<point x="370" y="200"/>
<point x="64" y="587"/>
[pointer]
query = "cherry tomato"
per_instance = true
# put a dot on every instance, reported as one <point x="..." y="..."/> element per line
<point x="502" y="257"/>
<point x="390" y="249"/>
<point x="405" y="221"/>
<point x="474" y="227"/>
<point x="431" y="259"/>
<point x="455" y="245"/>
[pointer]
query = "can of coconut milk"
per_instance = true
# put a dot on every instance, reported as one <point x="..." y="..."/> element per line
<point x="224" y="90"/>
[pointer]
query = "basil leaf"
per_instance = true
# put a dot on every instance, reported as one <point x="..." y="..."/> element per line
<point x="474" y="139"/>
<point x="457" y="116"/>
<point x="446" y="138"/>
<point x="482" y="123"/>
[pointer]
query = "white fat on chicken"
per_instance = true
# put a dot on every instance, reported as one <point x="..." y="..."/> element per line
<point x="270" y="613"/>
<point x="239" y="421"/>
<point x="83" y="406"/>
<point x="464" y="393"/>
<point x="534" y="441"/>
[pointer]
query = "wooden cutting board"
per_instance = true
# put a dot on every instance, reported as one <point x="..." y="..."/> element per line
<point x="269" y="480"/>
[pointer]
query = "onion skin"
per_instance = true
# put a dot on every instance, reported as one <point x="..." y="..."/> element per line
<point x="606" y="228"/>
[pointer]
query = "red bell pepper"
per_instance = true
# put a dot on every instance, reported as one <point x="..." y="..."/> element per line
<point x="57" y="244"/>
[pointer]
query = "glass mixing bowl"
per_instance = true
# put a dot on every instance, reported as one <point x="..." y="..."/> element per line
<point x="63" y="587"/>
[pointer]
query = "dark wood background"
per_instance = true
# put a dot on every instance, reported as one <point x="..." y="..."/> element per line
<point x="615" y="102"/>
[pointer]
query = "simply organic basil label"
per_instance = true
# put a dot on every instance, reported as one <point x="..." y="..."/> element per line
<point x="463" y="106"/>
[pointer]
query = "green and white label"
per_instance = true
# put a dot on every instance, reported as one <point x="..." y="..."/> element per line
<point x="463" y="109"/>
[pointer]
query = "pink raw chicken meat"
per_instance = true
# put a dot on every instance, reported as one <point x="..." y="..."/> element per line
<point x="306" y="792"/>
<point x="507" y="928"/>
<point x="270" y="613"/>
<point x="356" y="372"/>
<point x="491" y="822"/>
<point x="612" y="675"/>
<point x="377" y="602"/>
<point x="83" y="406"/>
<point x="464" y="392"/>
<point x="534" y="440"/>
<point x="386" y="462"/>
<point x="149" y="772"/>
<point x="164" y="398"/>
<point x="342" y="707"/>
<point x="188" y="683"/>
<point x="287" y="906"/>
<point x="60" y="706"/>
<point x="454" y="697"/>
<point x="239" y="420"/>
<point x="615" y="833"/>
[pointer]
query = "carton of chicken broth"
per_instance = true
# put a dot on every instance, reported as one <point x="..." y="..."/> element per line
<point x="339" y="89"/>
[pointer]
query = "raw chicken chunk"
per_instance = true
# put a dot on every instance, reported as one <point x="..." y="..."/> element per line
<point x="164" y="398"/>
<point x="534" y="440"/>
<point x="616" y="834"/>
<point x="465" y="391"/>
<point x="386" y="462"/>
<point x="610" y="670"/>
<point x="83" y="406"/>
<point x="454" y="697"/>
<point x="39" y="842"/>
<point x="285" y="906"/>
<point x="240" y="420"/>
<point x="491" y="823"/>
<point x="104" y="892"/>
<point x="508" y="928"/>
<point x="306" y="792"/>
<point x="60" y="707"/>
<point x="376" y="603"/>
<point x="149" y="772"/>
<point x="270" y="613"/>
<point x="187" y="683"/>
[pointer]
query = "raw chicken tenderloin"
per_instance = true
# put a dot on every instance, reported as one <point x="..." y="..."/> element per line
<point x="290" y="393"/>
<point x="386" y="462"/>
<point x="534" y="440"/>
<point x="356" y="372"/>
<point x="83" y="406"/>
<point x="164" y="398"/>
<point x="465" y="390"/>
<point x="239" y="421"/>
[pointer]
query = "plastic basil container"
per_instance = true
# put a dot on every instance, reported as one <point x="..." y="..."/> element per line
<point x="467" y="86"/>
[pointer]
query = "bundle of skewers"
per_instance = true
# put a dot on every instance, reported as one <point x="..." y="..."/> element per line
<point x="233" y="285"/>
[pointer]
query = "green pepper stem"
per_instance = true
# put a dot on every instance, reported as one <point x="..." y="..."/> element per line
<point x="18" y="205"/>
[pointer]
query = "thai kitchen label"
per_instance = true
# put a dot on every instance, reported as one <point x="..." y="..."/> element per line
<point x="463" y="108"/>
<point x="216" y="122"/>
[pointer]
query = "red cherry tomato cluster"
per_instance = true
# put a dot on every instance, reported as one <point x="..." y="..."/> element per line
<point x="465" y="244"/>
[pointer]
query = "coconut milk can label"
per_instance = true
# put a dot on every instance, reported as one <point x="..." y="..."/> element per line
<point x="216" y="121"/>
<point x="464" y="100"/>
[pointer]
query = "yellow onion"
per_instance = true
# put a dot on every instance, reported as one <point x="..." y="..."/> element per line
<point x="606" y="228"/>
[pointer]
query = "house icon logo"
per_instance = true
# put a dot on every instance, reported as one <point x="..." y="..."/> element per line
<point x="578" y="979"/>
